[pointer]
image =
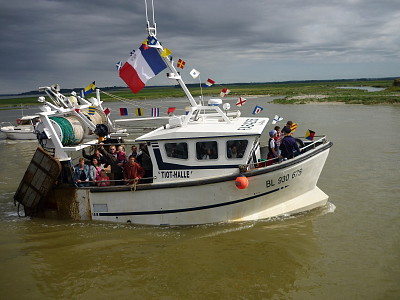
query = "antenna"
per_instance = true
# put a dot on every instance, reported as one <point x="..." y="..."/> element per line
<point x="151" y="29"/>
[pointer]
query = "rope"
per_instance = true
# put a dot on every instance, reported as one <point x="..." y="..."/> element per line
<point x="133" y="185"/>
<point x="68" y="136"/>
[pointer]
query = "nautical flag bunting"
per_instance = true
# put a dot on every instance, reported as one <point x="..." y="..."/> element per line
<point x="90" y="88"/>
<point x="257" y="110"/>
<point x="187" y="109"/>
<point x="209" y="83"/>
<point x="224" y="92"/>
<point x="140" y="67"/>
<point x="152" y="41"/>
<point x="139" y="111"/>
<point x="181" y="63"/>
<point x="107" y="111"/>
<point x="194" y="73"/>
<point x="276" y="119"/>
<point x="309" y="135"/>
<point x="171" y="110"/>
<point x="144" y="44"/>
<point x="123" y="111"/>
<point x="241" y="101"/>
<point x="293" y="127"/>
<point x="77" y="110"/>
<point x="155" y="112"/>
<point x="92" y="109"/>
<point x="166" y="52"/>
<point x="118" y="65"/>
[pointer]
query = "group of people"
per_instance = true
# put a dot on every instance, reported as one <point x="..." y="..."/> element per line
<point x="125" y="169"/>
<point x="93" y="174"/>
<point x="281" y="144"/>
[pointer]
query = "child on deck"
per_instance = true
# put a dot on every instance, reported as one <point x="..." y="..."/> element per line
<point x="103" y="179"/>
<point x="121" y="156"/>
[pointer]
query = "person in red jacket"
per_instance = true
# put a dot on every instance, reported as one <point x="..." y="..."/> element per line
<point x="133" y="172"/>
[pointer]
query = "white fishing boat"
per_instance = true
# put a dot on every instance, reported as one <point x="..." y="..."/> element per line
<point x="195" y="177"/>
<point x="23" y="130"/>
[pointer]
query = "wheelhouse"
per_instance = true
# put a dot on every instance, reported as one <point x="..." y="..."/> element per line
<point x="218" y="149"/>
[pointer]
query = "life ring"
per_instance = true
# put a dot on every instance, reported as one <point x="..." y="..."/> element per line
<point x="19" y="121"/>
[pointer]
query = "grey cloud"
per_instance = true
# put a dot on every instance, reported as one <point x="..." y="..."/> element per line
<point x="76" y="42"/>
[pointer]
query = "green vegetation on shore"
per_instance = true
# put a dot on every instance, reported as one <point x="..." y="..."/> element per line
<point x="288" y="93"/>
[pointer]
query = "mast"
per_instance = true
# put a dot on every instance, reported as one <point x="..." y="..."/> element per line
<point x="152" y="31"/>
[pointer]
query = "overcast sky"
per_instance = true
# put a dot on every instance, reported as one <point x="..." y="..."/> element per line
<point x="75" y="42"/>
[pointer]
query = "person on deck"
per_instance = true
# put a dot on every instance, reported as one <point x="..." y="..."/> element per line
<point x="273" y="155"/>
<point x="101" y="160"/>
<point x="282" y="134"/>
<point x="82" y="173"/>
<point x="133" y="172"/>
<point x="94" y="171"/>
<point x="278" y="139"/>
<point x="144" y="160"/>
<point x="289" y="147"/>
<point x="112" y="160"/>
<point x="134" y="152"/>
<point x="103" y="180"/>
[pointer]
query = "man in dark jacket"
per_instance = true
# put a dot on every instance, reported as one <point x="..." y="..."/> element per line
<point x="289" y="147"/>
<point x="100" y="158"/>
<point x="112" y="160"/>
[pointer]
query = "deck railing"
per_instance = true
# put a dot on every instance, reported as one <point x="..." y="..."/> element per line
<point x="264" y="162"/>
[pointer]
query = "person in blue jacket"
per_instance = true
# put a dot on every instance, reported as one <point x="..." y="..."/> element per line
<point x="82" y="173"/>
<point x="289" y="147"/>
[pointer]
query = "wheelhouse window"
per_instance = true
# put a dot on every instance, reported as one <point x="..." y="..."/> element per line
<point x="236" y="148"/>
<point x="207" y="150"/>
<point x="177" y="150"/>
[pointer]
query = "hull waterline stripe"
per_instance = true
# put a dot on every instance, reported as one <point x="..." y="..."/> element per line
<point x="172" y="211"/>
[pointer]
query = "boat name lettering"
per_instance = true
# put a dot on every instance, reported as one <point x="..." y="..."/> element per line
<point x="284" y="178"/>
<point x="248" y="124"/>
<point x="175" y="174"/>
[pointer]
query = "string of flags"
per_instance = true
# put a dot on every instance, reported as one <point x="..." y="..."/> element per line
<point x="154" y="112"/>
<point x="147" y="61"/>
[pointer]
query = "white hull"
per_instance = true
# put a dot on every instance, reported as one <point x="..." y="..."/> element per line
<point x="19" y="135"/>
<point x="291" y="188"/>
<point x="19" y="132"/>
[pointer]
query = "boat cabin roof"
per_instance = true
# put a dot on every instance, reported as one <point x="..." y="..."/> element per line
<point x="208" y="128"/>
<point x="29" y="117"/>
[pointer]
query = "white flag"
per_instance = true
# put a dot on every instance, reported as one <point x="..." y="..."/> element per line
<point x="277" y="119"/>
<point x="194" y="73"/>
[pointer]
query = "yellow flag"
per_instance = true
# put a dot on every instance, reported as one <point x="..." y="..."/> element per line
<point x="166" y="52"/>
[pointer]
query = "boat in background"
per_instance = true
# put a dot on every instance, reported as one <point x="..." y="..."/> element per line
<point x="208" y="165"/>
<point x="23" y="130"/>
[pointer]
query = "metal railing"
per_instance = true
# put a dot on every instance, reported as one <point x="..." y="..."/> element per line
<point x="273" y="161"/>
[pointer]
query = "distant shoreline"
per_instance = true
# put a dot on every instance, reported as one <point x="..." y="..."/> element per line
<point x="341" y="91"/>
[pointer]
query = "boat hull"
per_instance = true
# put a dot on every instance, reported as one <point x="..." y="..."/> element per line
<point x="18" y="134"/>
<point x="281" y="189"/>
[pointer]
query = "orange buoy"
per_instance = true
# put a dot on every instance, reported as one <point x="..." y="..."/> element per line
<point x="241" y="182"/>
